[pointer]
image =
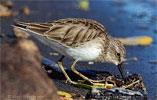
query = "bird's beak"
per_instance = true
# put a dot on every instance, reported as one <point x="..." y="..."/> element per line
<point x="120" y="67"/>
<point x="124" y="60"/>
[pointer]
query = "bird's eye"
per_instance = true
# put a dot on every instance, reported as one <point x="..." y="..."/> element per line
<point x="118" y="54"/>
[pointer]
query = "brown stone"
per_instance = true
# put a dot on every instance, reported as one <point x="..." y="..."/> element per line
<point x="22" y="77"/>
<point x="18" y="33"/>
<point x="26" y="10"/>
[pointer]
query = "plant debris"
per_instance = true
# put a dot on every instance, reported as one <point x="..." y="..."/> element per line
<point x="132" y="82"/>
<point x="70" y="96"/>
<point x="119" y="89"/>
<point x="64" y="94"/>
<point x="83" y="5"/>
<point x="135" y="41"/>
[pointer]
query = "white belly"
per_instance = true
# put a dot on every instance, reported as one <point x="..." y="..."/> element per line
<point x="87" y="53"/>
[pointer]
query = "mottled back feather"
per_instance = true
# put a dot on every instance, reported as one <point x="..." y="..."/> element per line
<point x="69" y="31"/>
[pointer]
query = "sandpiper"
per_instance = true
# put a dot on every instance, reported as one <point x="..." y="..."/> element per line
<point x="79" y="39"/>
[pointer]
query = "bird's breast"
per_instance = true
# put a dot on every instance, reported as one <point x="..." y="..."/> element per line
<point x="84" y="53"/>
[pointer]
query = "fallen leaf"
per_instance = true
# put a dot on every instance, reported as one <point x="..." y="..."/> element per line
<point x="65" y="94"/>
<point x="84" y="5"/>
<point x="134" y="41"/>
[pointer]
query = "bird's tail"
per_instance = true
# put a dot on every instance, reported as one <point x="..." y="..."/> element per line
<point x="20" y="25"/>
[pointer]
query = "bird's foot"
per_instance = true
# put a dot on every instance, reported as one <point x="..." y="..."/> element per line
<point x="96" y="82"/>
<point x="70" y="81"/>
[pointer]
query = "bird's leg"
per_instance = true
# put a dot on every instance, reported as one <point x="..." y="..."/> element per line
<point x="65" y="74"/>
<point x="120" y="67"/>
<point x="94" y="82"/>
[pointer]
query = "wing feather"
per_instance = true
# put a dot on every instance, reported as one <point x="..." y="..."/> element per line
<point x="69" y="32"/>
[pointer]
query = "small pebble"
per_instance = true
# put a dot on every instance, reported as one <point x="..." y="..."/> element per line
<point x="143" y="27"/>
<point x="134" y="59"/>
<point x="49" y="14"/>
<point x="26" y="10"/>
<point x="9" y="4"/>
<point x="49" y="71"/>
<point x="155" y="31"/>
<point x="118" y="3"/>
<point x="112" y="19"/>
<point x="4" y="11"/>
<point x="54" y="54"/>
<point x="153" y="62"/>
<point x="2" y="35"/>
<point x="90" y="63"/>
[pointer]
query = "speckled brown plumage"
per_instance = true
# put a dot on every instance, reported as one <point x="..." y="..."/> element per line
<point x="75" y="32"/>
<point x="70" y="31"/>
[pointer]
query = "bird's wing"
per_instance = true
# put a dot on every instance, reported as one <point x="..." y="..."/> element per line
<point x="69" y="31"/>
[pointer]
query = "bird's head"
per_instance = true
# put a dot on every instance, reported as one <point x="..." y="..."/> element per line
<point x="116" y="51"/>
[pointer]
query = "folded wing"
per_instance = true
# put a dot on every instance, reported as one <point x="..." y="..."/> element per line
<point x="69" y="32"/>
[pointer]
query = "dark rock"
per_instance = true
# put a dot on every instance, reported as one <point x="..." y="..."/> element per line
<point x="114" y="94"/>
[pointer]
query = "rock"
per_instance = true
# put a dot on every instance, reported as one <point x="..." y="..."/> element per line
<point x="118" y="3"/>
<point x="20" y="33"/>
<point x="5" y="8"/>
<point x="54" y="54"/>
<point x="4" y="11"/>
<point x="2" y="35"/>
<point x="7" y="3"/>
<point x="113" y="19"/>
<point x="134" y="59"/>
<point x="155" y="31"/>
<point x="90" y="63"/>
<point x="26" y="10"/>
<point x="153" y="62"/>
<point x="143" y="27"/>
<point x="114" y="94"/>
<point x="22" y="77"/>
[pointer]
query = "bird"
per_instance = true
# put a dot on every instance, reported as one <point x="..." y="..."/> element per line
<point x="80" y="39"/>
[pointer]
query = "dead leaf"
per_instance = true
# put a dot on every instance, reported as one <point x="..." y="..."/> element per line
<point x="135" y="41"/>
